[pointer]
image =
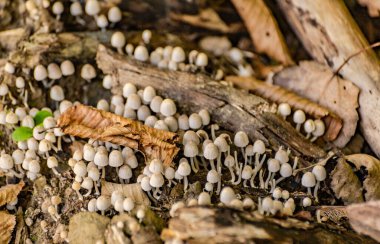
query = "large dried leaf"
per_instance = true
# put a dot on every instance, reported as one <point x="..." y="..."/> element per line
<point x="7" y="224"/>
<point x="365" y="218"/>
<point x="86" y="227"/>
<point x="373" y="7"/>
<point x="263" y="29"/>
<point x="318" y="83"/>
<point x="133" y="191"/>
<point x="10" y="192"/>
<point x="345" y="184"/>
<point x="88" y="122"/>
<point x="371" y="166"/>
<point x="278" y="94"/>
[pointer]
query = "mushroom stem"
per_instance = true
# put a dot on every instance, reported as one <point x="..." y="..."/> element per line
<point x="31" y="87"/>
<point x="295" y="163"/>
<point x="14" y="173"/>
<point x="261" y="178"/>
<point x="245" y="183"/>
<point x="257" y="169"/>
<point x="193" y="166"/>
<point x="273" y="185"/>
<point x="96" y="188"/>
<point x="309" y="191"/>
<point x="59" y="143"/>
<point x="316" y="191"/>
<point x="103" y="172"/>
<point x="80" y="20"/>
<point x="88" y="193"/>
<point x="298" y="126"/>
<point x="240" y="173"/>
<point x="185" y="182"/>
<point x="267" y="181"/>
<point x="19" y="168"/>
<point x="79" y="195"/>
<point x="212" y="164"/>
<point x="55" y="171"/>
<point x="204" y="163"/>
<point x="232" y="174"/>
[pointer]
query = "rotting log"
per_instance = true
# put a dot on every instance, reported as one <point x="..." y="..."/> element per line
<point x="231" y="108"/>
<point x="226" y="225"/>
<point x="331" y="36"/>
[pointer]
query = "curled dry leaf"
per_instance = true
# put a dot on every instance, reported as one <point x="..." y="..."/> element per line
<point x="278" y="94"/>
<point x="345" y="184"/>
<point x="133" y="191"/>
<point x="10" y="192"/>
<point x="7" y="224"/>
<point x="373" y="7"/>
<point x="318" y="83"/>
<point x="263" y="29"/>
<point x="88" y="122"/>
<point x="365" y="218"/>
<point x="207" y="18"/>
<point x="334" y="213"/>
<point x="371" y="167"/>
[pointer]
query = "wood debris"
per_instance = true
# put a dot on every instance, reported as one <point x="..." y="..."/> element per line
<point x="10" y="192"/>
<point x="132" y="191"/>
<point x="7" y="224"/>
<point x="88" y="122"/>
<point x="263" y="29"/>
<point x="278" y="94"/>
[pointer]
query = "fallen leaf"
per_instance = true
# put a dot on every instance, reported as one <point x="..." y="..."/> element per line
<point x="334" y="213"/>
<point x="10" y="192"/>
<point x="87" y="227"/>
<point x="371" y="166"/>
<point x="207" y="18"/>
<point x="7" y="224"/>
<point x="263" y="29"/>
<point x="314" y="81"/>
<point x="88" y="122"/>
<point x="345" y="184"/>
<point x="279" y="95"/>
<point x="373" y="7"/>
<point x="365" y="218"/>
<point x="133" y="191"/>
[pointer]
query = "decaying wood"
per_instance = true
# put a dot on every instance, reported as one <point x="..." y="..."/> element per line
<point x="330" y="35"/>
<point x="279" y="95"/>
<point x="223" y="225"/>
<point x="231" y="108"/>
<point x="88" y="122"/>
<point x="263" y="29"/>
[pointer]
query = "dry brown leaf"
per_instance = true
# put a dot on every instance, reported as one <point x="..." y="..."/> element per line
<point x="7" y="224"/>
<point x="365" y="218"/>
<point x="314" y="81"/>
<point x="133" y="191"/>
<point x="207" y="18"/>
<point x="372" y="167"/>
<point x="10" y="192"/>
<point x="334" y="213"/>
<point x="88" y="122"/>
<point x="373" y="7"/>
<point x="263" y="29"/>
<point x="278" y="94"/>
<point x="345" y="184"/>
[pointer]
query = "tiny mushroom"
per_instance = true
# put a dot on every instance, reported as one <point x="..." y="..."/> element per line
<point x="309" y="181"/>
<point x="299" y="118"/>
<point x="88" y="72"/>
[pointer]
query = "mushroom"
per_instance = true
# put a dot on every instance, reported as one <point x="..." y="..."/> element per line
<point x="201" y="60"/>
<point x="155" y="104"/>
<point x="115" y="159"/>
<point x="57" y="94"/>
<point x="248" y="203"/>
<point x="44" y="147"/>
<point x="195" y="121"/>
<point x="184" y="170"/>
<point x="108" y="82"/>
<point x="92" y="7"/>
<point x="281" y="155"/>
<point x="146" y="186"/>
<point x="156" y="181"/>
<point x="190" y="136"/>
<point x="205" y="116"/>
<point x="76" y="11"/>
<point x="102" y="22"/>
<point x="6" y="165"/>
<point x="211" y="153"/>
<point x="52" y="164"/>
<point x="18" y="157"/>
<point x="306" y="202"/>
<point x="114" y="15"/>
<point x="80" y="169"/>
<point x="169" y="175"/>
<point x="227" y="195"/>
<point x="40" y="74"/>
<point x="319" y="129"/>
<point x="125" y="173"/>
<point x="148" y="94"/>
<point x="87" y="184"/>
<point x="4" y="90"/>
<point x="168" y="107"/>
<point x="54" y="71"/>
<point x="76" y="187"/>
<point x="88" y="72"/>
<point x="246" y="174"/>
<point x="191" y="151"/>
<point x="266" y="205"/>
<point x="320" y="175"/>
<point x="129" y="48"/>
<point x="213" y="177"/>
<point x="284" y="110"/>
<point x="178" y="55"/>
<point x="9" y="68"/>
<point x="146" y="36"/>
<point x="133" y="101"/>
<point x="129" y="89"/>
<point x="273" y="167"/>
<point x="286" y="171"/>
<point x="101" y="160"/>
<point x="299" y="118"/>
<point x="229" y="162"/>
<point x="118" y="41"/>
<point x="128" y="204"/>
<point x="171" y="123"/>
<point x="204" y="199"/>
<point x="308" y="180"/>
<point x="103" y="202"/>
<point x="91" y="206"/>
<point x="57" y="9"/>
<point x="241" y="140"/>
<point x="141" y="53"/>
<point x="140" y="214"/>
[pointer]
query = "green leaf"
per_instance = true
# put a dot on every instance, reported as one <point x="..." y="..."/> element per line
<point x="22" y="133"/>
<point x="41" y="116"/>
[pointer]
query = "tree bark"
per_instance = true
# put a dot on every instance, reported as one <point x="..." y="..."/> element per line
<point x="331" y="36"/>
<point x="231" y="108"/>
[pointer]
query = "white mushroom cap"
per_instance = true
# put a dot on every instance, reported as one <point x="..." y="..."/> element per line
<point x="273" y="165"/>
<point x="132" y="161"/>
<point x="18" y="156"/>
<point x="118" y="206"/>
<point x="146" y="36"/>
<point x="184" y="168"/>
<point x="129" y="48"/>
<point x="156" y="166"/>
<point x="282" y="156"/>
<point x="155" y="104"/>
<point x="277" y="207"/>
<point x="107" y="82"/>
<point x="76" y="9"/>
<point x="155" y="58"/>
<point x="259" y="147"/>
<point x="309" y="126"/>
<point x="290" y="203"/>
<point x="167" y="52"/>
<point x="64" y="105"/>
<point x="202" y="60"/>
<point x="88" y="72"/>
<point x="102" y="21"/>
<point x="52" y="162"/>
<point x="145" y="184"/>
<point x="213" y="176"/>
<point x="229" y="161"/>
<point x="286" y="170"/>
<point x="56" y="93"/>
<point x="128" y="204"/>
<point x="236" y="203"/>
<point x="21" y="113"/>
<point x="39" y="132"/>
<point x="32" y="144"/>
<point x="141" y="53"/>
<point x="28" y="121"/>
<point x="4" y="90"/>
<point x="284" y="109"/>
<point x="125" y="172"/>
<point x="190" y="136"/>
<point x="149" y="93"/>
<point x="211" y="151"/>
<point x="168" y="107"/>
<point x="91" y="207"/>
<point x="241" y="139"/>
<point x="183" y="122"/>
<point x="103" y="202"/>
<point x="151" y="120"/>
<point x="114" y="14"/>
<point x="40" y="73"/>
<point x="87" y="183"/>
<point x="156" y="180"/>
<point x="236" y="55"/>
<point x="308" y="179"/>
<point x="88" y="152"/>
<point x="116" y="195"/>
<point x="115" y="159"/>
<point x="92" y="7"/>
<point x="171" y="123"/>
<point x="9" y="68"/>
<point x="143" y="113"/>
<point x="103" y="105"/>
<point x="277" y="193"/>
<point x="80" y="169"/>
<point x="227" y="195"/>
<point x="6" y="162"/>
<point x="247" y="172"/>
<point x="190" y="149"/>
<point x="57" y="8"/>
<point x="299" y="117"/>
<point x="319" y="128"/>
<point x="129" y="89"/>
<point x="267" y="204"/>
<point x="20" y="82"/>
<point x="285" y="194"/>
<point x="195" y="121"/>
<point x="204" y="199"/>
<point x="205" y="115"/>
<point x="118" y="39"/>
<point x="161" y="125"/>
<point x="249" y="150"/>
<point x="306" y="202"/>
<point x="101" y="159"/>
<point x="67" y="68"/>
<point x="319" y="172"/>
<point x="11" y="118"/>
<point x="169" y="173"/>
<point x="178" y="55"/>
<point x="129" y="113"/>
<point x="248" y="203"/>
<point x="192" y="56"/>
<point x="133" y="101"/>
<point x="34" y="166"/>
<point x="54" y="71"/>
